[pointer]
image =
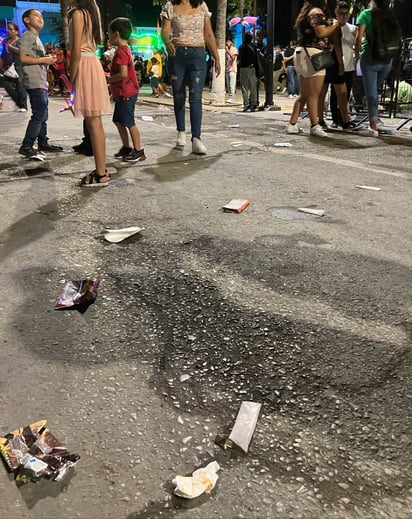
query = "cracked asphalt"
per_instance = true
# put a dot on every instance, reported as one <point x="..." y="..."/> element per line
<point x="308" y="315"/>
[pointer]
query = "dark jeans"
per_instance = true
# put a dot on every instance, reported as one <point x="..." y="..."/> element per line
<point x="293" y="80"/>
<point x="14" y="87"/>
<point x="188" y="67"/>
<point x="37" y="127"/>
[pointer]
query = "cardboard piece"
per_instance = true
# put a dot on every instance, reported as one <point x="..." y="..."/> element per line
<point x="236" y="205"/>
<point x="245" y="425"/>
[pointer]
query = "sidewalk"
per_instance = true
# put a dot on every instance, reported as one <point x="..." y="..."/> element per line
<point x="282" y="101"/>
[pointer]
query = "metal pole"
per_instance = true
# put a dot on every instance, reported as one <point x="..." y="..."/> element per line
<point x="269" y="51"/>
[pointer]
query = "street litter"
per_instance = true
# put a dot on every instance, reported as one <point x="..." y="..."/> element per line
<point x="370" y="188"/>
<point x="245" y="425"/>
<point x="236" y="205"/>
<point x="309" y="210"/>
<point x="283" y="144"/>
<point x="147" y="118"/>
<point x="234" y="126"/>
<point x="202" y="481"/>
<point x="78" y="295"/>
<point x="118" y="235"/>
<point x="236" y="144"/>
<point x="33" y="452"/>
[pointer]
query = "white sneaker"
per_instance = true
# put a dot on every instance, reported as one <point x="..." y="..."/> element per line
<point x="316" y="131"/>
<point x="22" y="110"/>
<point x="372" y="132"/>
<point x="198" y="148"/>
<point x="230" y="100"/>
<point x="293" y="129"/>
<point x="181" y="139"/>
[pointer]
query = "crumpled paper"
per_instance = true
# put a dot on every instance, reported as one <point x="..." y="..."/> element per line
<point x="202" y="481"/>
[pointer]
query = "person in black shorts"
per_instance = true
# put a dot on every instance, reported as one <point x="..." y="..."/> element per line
<point x="336" y="75"/>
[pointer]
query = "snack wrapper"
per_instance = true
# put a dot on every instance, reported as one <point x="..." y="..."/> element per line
<point x="33" y="452"/>
<point x="78" y="295"/>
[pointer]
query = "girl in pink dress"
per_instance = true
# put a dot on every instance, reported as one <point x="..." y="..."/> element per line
<point x="91" y="98"/>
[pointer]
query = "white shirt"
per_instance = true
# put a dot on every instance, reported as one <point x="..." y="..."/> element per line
<point x="348" y="42"/>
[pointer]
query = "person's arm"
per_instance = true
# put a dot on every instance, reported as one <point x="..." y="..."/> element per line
<point x="337" y="46"/>
<point x="13" y="48"/>
<point x="210" y="42"/>
<point x="76" y="43"/>
<point x="25" y="59"/>
<point x="323" y="31"/>
<point x="165" y="33"/>
<point x="359" y="37"/>
<point x="119" y="76"/>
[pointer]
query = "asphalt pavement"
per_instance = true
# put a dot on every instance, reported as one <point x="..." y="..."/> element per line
<point x="308" y="315"/>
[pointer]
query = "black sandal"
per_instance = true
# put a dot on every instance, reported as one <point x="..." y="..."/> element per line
<point x="95" y="180"/>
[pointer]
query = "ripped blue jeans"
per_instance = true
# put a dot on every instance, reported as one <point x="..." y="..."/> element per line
<point x="188" y="68"/>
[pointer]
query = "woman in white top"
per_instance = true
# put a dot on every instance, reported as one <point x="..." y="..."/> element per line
<point x="186" y="31"/>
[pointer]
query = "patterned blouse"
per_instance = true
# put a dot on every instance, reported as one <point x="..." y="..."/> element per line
<point x="187" y="30"/>
<point x="306" y="32"/>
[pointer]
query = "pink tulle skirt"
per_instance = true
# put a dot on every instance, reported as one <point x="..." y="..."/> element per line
<point x="91" y="93"/>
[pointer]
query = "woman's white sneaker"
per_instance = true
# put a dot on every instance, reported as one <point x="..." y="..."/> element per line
<point x="198" y="148"/>
<point x="293" y="129"/>
<point x="316" y="131"/>
<point x="181" y="139"/>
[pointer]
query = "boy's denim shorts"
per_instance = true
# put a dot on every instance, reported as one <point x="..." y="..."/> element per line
<point x="124" y="111"/>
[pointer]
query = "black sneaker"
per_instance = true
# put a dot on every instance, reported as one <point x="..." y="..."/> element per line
<point x="83" y="149"/>
<point x="49" y="147"/>
<point x="27" y="152"/>
<point x="121" y="154"/>
<point x="351" y="125"/>
<point x="135" y="156"/>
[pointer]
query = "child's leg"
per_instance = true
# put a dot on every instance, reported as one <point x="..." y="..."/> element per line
<point x="135" y="135"/>
<point x="123" y="134"/>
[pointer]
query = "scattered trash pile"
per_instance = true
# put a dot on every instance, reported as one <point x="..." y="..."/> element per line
<point x="33" y="452"/>
<point x="203" y="480"/>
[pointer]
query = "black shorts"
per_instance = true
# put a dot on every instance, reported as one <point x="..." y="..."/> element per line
<point x="332" y="74"/>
